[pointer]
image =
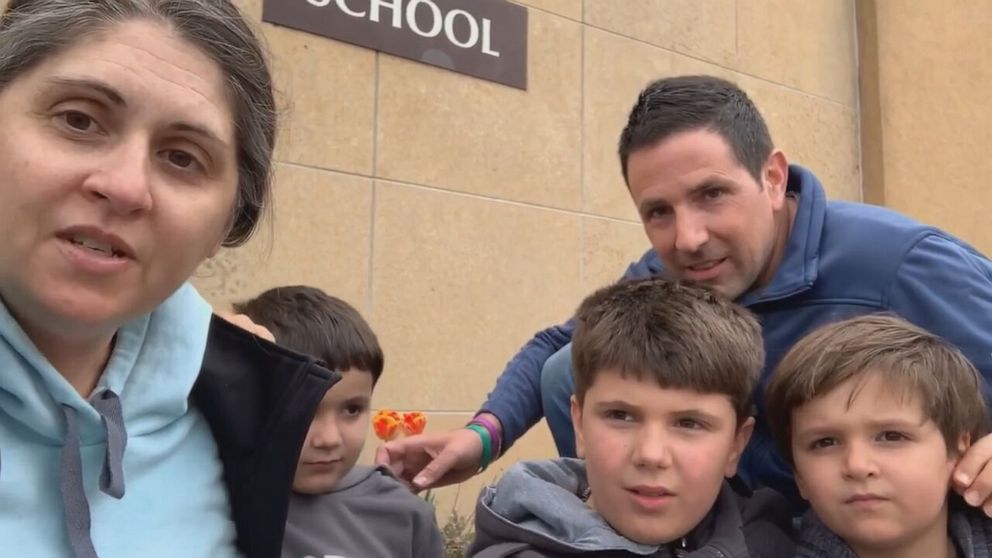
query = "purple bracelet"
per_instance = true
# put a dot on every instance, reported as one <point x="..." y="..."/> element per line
<point x="493" y="433"/>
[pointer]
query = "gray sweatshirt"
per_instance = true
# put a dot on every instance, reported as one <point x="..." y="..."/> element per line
<point x="369" y="514"/>
<point x="535" y="510"/>
<point x="969" y="528"/>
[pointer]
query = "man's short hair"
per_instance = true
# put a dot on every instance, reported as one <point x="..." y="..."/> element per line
<point x="309" y="321"/>
<point x="680" y="335"/>
<point x="909" y="358"/>
<point x="686" y="103"/>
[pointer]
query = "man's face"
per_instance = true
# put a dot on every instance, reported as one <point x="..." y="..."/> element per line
<point x="337" y="434"/>
<point x="655" y="457"/>
<point x="873" y="466"/>
<point x="707" y="218"/>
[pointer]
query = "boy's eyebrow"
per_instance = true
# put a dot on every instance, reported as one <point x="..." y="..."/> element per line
<point x="817" y="431"/>
<point x="896" y="422"/>
<point x="359" y="399"/>
<point x="697" y="413"/>
<point x="878" y="423"/>
<point x="614" y="404"/>
<point x="688" y="412"/>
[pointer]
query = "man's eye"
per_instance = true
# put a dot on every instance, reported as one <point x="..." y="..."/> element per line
<point x="659" y="212"/>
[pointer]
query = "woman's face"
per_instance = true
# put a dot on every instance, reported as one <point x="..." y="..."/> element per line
<point x="118" y="176"/>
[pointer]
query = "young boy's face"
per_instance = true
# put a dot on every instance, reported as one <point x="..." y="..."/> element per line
<point x="336" y="434"/>
<point x="872" y="465"/>
<point x="656" y="458"/>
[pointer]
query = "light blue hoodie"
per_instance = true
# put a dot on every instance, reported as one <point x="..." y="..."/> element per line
<point x="136" y="459"/>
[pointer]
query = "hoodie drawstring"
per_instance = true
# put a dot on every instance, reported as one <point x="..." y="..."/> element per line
<point x="74" y="503"/>
<point x="108" y="404"/>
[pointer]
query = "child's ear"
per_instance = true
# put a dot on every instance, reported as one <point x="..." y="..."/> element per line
<point x="964" y="442"/>
<point x="740" y="442"/>
<point x="580" y="443"/>
<point x="800" y="484"/>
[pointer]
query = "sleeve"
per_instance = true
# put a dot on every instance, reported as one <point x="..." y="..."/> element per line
<point x="516" y="399"/>
<point x="945" y="287"/>
<point x="428" y="542"/>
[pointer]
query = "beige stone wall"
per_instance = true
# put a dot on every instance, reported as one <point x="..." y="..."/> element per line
<point x="926" y="97"/>
<point x="461" y="216"/>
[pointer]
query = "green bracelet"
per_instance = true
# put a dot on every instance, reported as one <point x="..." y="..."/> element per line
<point x="487" y="444"/>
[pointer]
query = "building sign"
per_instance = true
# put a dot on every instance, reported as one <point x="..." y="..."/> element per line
<point x="482" y="38"/>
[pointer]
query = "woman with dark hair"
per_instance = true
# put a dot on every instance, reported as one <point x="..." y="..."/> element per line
<point x="136" y="139"/>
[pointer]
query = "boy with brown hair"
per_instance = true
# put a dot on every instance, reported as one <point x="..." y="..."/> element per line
<point x="662" y="410"/>
<point x="874" y="413"/>
<point x="337" y="508"/>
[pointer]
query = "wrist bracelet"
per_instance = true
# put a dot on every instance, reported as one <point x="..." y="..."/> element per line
<point x="487" y="444"/>
<point x="494" y="431"/>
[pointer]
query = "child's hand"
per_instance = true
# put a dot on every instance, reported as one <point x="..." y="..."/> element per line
<point x="973" y="475"/>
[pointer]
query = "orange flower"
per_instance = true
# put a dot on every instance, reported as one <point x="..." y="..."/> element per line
<point x="386" y="424"/>
<point x="414" y="422"/>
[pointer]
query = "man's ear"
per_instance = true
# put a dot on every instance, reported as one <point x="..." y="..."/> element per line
<point x="580" y="443"/>
<point x="741" y="438"/>
<point x="775" y="178"/>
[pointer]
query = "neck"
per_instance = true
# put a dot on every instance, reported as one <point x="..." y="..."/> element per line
<point x="932" y="542"/>
<point x="80" y="359"/>
<point x="783" y="229"/>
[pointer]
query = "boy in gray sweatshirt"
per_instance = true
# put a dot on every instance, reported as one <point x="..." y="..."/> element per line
<point x="664" y="373"/>
<point x="874" y="414"/>
<point x="339" y="509"/>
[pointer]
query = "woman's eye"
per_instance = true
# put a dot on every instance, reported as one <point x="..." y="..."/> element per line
<point x="79" y="121"/>
<point x="181" y="159"/>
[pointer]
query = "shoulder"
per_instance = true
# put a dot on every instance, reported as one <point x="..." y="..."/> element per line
<point x="766" y="521"/>
<point x="647" y="266"/>
<point x="855" y="227"/>
<point x="381" y="484"/>
<point x="868" y="245"/>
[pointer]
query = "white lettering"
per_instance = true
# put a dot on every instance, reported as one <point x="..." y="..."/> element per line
<point x="411" y="18"/>
<point x="343" y="6"/>
<point x="446" y="22"/>
<point x="473" y="29"/>
<point x="394" y="5"/>
<point x="487" y="38"/>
